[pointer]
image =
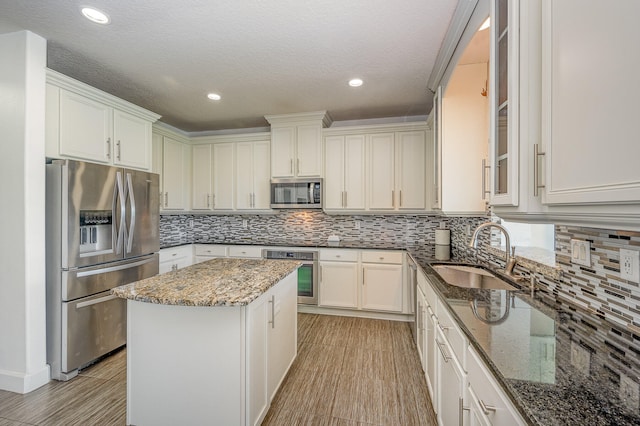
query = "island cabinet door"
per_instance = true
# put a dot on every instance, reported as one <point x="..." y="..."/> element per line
<point x="281" y="331"/>
<point x="257" y="315"/>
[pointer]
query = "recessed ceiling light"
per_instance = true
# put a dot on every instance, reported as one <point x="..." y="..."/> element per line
<point x="486" y="24"/>
<point x="356" y="82"/>
<point x="214" y="96"/>
<point x="95" y="15"/>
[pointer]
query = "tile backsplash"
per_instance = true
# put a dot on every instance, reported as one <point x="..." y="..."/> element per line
<point x="307" y="227"/>
<point x="597" y="288"/>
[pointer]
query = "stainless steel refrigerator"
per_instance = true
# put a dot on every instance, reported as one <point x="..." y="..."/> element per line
<point x="102" y="231"/>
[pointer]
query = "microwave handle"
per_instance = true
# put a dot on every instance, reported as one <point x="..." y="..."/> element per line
<point x="310" y="188"/>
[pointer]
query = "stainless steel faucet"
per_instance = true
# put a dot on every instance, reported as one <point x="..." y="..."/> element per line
<point x="509" y="259"/>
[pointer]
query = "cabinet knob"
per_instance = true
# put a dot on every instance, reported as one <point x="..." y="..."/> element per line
<point x="337" y="255"/>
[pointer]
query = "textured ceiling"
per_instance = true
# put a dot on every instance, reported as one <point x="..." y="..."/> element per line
<point x="262" y="57"/>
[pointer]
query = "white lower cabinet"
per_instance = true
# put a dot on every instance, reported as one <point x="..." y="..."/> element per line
<point x="451" y="384"/>
<point x="204" y="252"/>
<point x="463" y="390"/>
<point x="338" y="282"/>
<point x="487" y="402"/>
<point x="382" y="282"/>
<point x="338" y="279"/>
<point x="247" y="252"/>
<point x="174" y="258"/>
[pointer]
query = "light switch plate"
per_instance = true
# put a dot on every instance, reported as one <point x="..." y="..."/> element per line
<point x="629" y="393"/>
<point x="580" y="358"/>
<point x="581" y="252"/>
<point x="630" y="265"/>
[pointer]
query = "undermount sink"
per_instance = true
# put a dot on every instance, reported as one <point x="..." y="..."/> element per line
<point x="471" y="277"/>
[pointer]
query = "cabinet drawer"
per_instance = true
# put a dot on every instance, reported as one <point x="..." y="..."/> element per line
<point x="339" y="255"/>
<point x="175" y="253"/>
<point x="375" y="256"/>
<point x="452" y="332"/>
<point x="484" y="387"/>
<point x="253" y="252"/>
<point x="210" y="250"/>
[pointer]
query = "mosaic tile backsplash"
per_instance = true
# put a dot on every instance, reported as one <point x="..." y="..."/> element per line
<point x="306" y="227"/>
<point x="598" y="288"/>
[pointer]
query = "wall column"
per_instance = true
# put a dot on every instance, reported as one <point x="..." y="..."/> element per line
<point x="23" y="353"/>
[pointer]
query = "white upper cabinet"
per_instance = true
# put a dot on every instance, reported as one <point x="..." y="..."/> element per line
<point x="590" y="136"/>
<point x="296" y="144"/>
<point x="223" y="176"/>
<point x="252" y="176"/>
<point x="344" y="182"/>
<point x="175" y="175"/>
<point x="411" y="150"/>
<point x="132" y="137"/>
<point x="562" y="152"/>
<point x="385" y="168"/>
<point x="85" y="127"/>
<point x="202" y="162"/>
<point x="381" y="179"/>
<point x="87" y="124"/>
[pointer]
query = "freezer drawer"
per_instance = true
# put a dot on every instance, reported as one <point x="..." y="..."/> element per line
<point x="82" y="282"/>
<point x="92" y="327"/>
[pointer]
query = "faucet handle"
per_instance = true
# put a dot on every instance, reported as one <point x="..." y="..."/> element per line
<point x="513" y="251"/>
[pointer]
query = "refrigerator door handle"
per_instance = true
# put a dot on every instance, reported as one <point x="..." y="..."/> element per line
<point x="132" y="206"/>
<point x="114" y="268"/>
<point x="122" y="195"/>
<point x="117" y="216"/>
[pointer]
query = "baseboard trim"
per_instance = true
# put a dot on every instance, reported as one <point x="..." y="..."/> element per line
<point x="310" y="309"/>
<point x="22" y="383"/>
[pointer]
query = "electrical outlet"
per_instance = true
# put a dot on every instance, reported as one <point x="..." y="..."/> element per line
<point x="581" y="252"/>
<point x="630" y="265"/>
<point x="629" y="393"/>
<point x="245" y="223"/>
<point x="356" y="225"/>
<point x="580" y="358"/>
<point x="468" y="230"/>
<point x="191" y="223"/>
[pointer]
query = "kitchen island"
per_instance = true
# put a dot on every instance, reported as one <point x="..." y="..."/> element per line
<point x="210" y="343"/>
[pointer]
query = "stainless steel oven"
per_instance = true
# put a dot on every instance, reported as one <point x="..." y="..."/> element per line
<point x="307" y="273"/>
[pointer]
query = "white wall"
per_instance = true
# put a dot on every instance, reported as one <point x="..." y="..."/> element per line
<point x="22" y="189"/>
<point x="465" y="135"/>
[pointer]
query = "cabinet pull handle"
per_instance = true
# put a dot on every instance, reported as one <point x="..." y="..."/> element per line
<point x="291" y="165"/>
<point x="442" y="351"/>
<point x="461" y="408"/>
<point x="338" y="256"/>
<point x="485" y="191"/>
<point x="401" y="198"/>
<point x="254" y="200"/>
<point x="109" y="148"/>
<point x="166" y="199"/>
<point x="536" y="174"/>
<point x="298" y="166"/>
<point x="443" y="327"/>
<point x="273" y="311"/>
<point x="345" y="199"/>
<point x="486" y="409"/>
<point x="363" y="276"/>
<point x="393" y="198"/>
<point x="119" y="150"/>
<point x="213" y="201"/>
<point x="208" y="200"/>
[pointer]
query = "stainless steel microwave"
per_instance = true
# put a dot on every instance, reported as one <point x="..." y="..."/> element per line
<point x="296" y="193"/>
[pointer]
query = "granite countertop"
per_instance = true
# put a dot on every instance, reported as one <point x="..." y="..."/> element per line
<point x="217" y="282"/>
<point x="558" y="363"/>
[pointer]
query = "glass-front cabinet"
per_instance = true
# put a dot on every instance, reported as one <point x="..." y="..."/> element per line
<point x="504" y="102"/>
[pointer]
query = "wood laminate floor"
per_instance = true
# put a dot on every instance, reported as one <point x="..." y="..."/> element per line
<point x="349" y="371"/>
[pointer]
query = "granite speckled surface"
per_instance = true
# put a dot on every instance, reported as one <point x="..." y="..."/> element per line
<point x="558" y="363"/>
<point x="217" y="282"/>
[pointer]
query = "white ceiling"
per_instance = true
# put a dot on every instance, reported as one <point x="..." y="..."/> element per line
<point x="262" y="57"/>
